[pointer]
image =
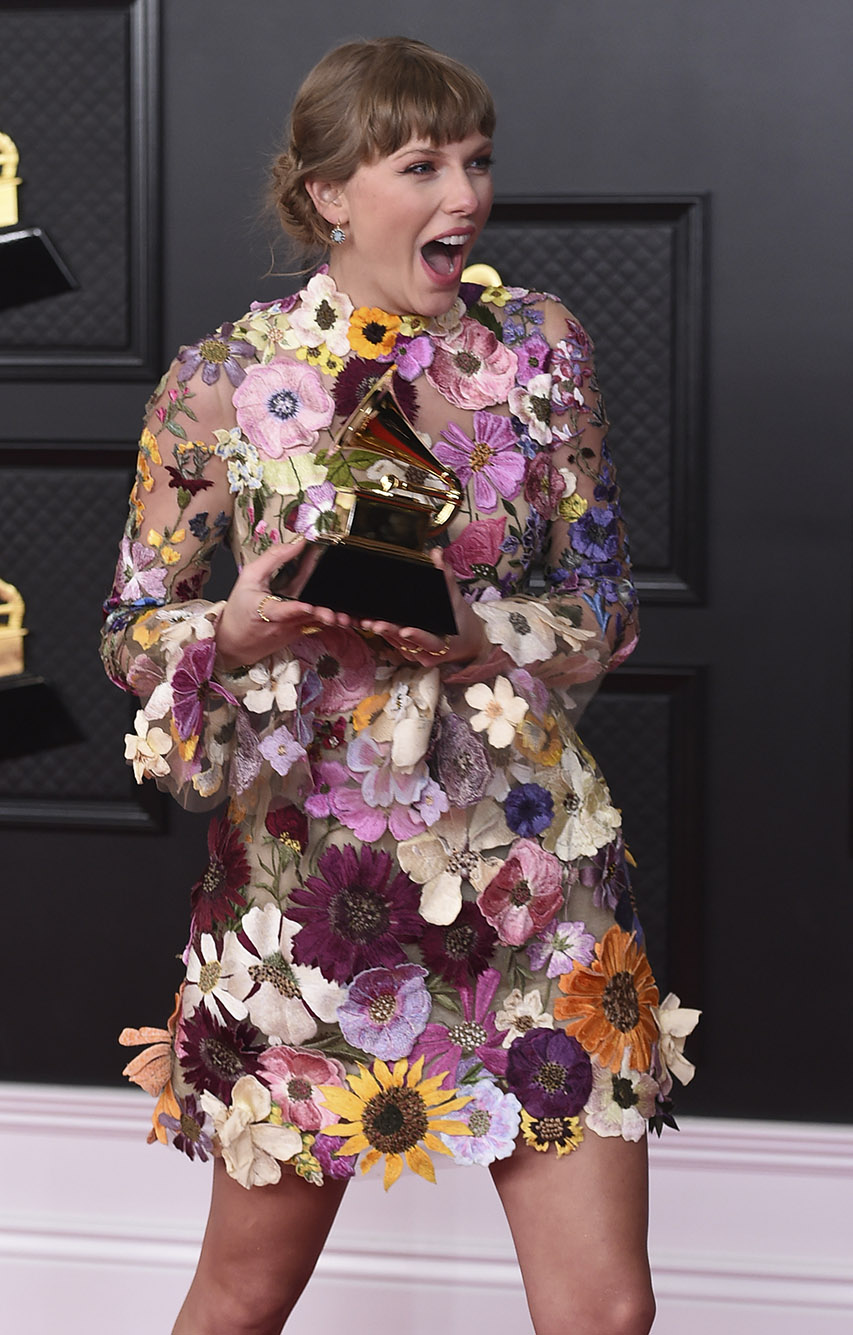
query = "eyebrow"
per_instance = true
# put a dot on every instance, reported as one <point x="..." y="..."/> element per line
<point x="433" y="150"/>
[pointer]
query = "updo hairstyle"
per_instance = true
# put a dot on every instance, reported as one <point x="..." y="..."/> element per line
<point x="363" y="101"/>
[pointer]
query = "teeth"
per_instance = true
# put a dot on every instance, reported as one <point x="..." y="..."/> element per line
<point x="452" y="240"/>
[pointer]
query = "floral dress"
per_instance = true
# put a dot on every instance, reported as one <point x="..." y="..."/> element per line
<point x="415" y="934"/>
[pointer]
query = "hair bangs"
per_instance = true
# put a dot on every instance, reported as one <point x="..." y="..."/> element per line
<point x="437" y="100"/>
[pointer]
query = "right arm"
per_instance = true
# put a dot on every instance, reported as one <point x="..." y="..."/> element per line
<point x="177" y="652"/>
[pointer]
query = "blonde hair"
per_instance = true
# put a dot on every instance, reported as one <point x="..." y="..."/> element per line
<point x="363" y="101"/>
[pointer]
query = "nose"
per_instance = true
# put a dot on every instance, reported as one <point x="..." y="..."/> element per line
<point x="461" y="197"/>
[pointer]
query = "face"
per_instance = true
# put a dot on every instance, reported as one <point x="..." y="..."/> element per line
<point x="411" y="221"/>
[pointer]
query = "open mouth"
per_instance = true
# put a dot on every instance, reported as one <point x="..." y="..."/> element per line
<point x="444" y="255"/>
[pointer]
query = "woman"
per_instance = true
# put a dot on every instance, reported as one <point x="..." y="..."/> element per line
<point x="415" y="934"/>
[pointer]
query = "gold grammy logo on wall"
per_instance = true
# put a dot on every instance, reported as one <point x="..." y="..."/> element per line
<point x="9" y="181"/>
<point x="12" y="631"/>
<point x="30" y="266"/>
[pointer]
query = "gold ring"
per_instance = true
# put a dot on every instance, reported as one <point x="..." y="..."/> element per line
<point x="266" y="598"/>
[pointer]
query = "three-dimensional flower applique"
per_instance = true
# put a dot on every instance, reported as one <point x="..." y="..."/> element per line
<point x="675" y="1023"/>
<point x="321" y="318"/>
<point x="500" y="710"/>
<point x="452" y="851"/>
<point x="621" y="1104"/>
<point x="254" y="1145"/>
<point x="608" y="1004"/>
<point x="147" y="749"/>
<point x="397" y="1115"/>
<point x="282" y="997"/>
<point x="152" y="1068"/>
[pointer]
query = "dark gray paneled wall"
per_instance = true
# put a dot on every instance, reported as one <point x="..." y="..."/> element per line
<point x="751" y="107"/>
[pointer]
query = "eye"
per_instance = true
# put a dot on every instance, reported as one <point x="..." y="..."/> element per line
<point x="419" y="169"/>
<point x="485" y="163"/>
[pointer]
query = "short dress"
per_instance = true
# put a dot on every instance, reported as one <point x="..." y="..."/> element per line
<point x="415" y="934"/>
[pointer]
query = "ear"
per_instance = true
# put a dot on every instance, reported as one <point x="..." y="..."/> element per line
<point x="326" y="198"/>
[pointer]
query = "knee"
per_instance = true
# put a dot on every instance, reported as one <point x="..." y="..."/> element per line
<point x="256" y="1301"/>
<point x="610" y="1313"/>
<point x="630" y="1314"/>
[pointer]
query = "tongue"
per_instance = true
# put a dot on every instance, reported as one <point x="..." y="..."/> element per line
<point x="441" y="259"/>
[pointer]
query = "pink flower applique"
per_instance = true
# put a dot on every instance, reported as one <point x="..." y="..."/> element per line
<point x="475" y="1037"/>
<point x="293" y="1077"/>
<point x="140" y="573"/>
<point x="344" y="665"/>
<point x="192" y="685"/>
<point x="282" y="407"/>
<point x="472" y="369"/>
<point x="385" y="796"/>
<point x="527" y="892"/>
<point x="478" y="544"/>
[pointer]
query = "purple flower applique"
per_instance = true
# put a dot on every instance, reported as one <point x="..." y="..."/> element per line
<point x="334" y="1165"/>
<point x="307" y="694"/>
<point x="492" y="458"/>
<point x="385" y="797"/>
<point x="596" y="534"/>
<point x="386" y="1010"/>
<point x="282" y="750"/>
<point x="532" y="688"/>
<point x="309" y="517"/>
<point x="607" y="875"/>
<point x="532" y="356"/>
<point x="215" y="1054"/>
<point x="139" y="573"/>
<point x="328" y="775"/>
<point x="188" y="1132"/>
<point x="413" y="358"/>
<point x="217" y="352"/>
<point x="561" y="944"/>
<point x="493" y="1118"/>
<point x="475" y="1036"/>
<point x="460" y="950"/>
<point x="461" y="762"/>
<point x="549" y="1072"/>
<point x="354" y="914"/>
<point x="192" y="684"/>
<point x="359" y="376"/>
<point x="529" y="809"/>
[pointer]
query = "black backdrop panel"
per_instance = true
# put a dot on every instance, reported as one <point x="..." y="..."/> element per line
<point x="632" y="270"/>
<point x="78" y="97"/>
<point x="85" y="782"/>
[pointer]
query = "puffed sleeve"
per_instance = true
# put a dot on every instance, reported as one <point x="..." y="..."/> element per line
<point x="159" y="634"/>
<point x="585" y="620"/>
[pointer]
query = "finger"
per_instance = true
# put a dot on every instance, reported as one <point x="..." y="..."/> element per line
<point x="258" y="572"/>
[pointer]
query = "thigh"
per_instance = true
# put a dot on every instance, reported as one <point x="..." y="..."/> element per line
<point x="580" y="1226"/>
<point x="260" y="1247"/>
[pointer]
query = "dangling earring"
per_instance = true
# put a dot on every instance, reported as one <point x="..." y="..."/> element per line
<point x="337" y="234"/>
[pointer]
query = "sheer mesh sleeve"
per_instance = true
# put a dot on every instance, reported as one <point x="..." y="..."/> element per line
<point x="159" y="635"/>
<point x="585" y="622"/>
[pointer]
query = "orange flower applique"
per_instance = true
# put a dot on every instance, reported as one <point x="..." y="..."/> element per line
<point x="372" y="333"/>
<point x="152" y="1069"/>
<point x="609" y="1003"/>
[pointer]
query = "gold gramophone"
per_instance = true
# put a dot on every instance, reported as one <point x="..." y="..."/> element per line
<point x="374" y="564"/>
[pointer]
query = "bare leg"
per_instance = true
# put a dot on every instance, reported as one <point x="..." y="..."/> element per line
<point x="579" y="1224"/>
<point x="259" y="1250"/>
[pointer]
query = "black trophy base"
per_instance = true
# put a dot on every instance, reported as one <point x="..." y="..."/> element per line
<point x="378" y="586"/>
<point x="30" y="268"/>
<point x="32" y="717"/>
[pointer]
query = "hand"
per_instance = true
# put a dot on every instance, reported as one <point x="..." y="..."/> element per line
<point x="243" y="634"/>
<point x="418" y="646"/>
